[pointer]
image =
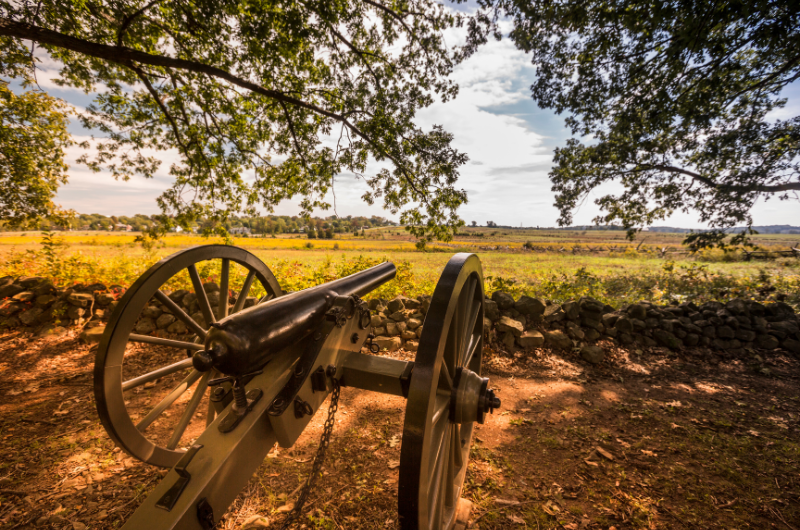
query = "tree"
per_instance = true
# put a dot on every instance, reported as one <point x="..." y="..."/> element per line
<point x="33" y="134"/>
<point x="474" y="223"/>
<point x="673" y="101"/>
<point x="255" y="86"/>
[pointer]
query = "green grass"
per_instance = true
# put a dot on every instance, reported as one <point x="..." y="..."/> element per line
<point x="615" y="280"/>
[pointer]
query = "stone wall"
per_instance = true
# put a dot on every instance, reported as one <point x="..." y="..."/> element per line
<point x="730" y="327"/>
<point x="528" y="323"/>
<point x="510" y="325"/>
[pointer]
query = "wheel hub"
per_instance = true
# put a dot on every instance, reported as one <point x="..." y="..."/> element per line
<point x="471" y="398"/>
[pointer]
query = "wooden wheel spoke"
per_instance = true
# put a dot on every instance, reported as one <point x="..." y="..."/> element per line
<point x="467" y="294"/>
<point x="184" y="345"/>
<point x="186" y="417"/>
<point x="267" y="297"/>
<point x="450" y="476"/>
<point x="442" y="407"/>
<point x="240" y="300"/>
<point x="458" y="448"/>
<point x="157" y="374"/>
<point x="180" y="314"/>
<point x="224" y="279"/>
<point x="200" y="293"/>
<point x="184" y="385"/>
<point x="469" y="331"/>
<point x="434" y="487"/>
<point x="471" y="349"/>
<point x="446" y="378"/>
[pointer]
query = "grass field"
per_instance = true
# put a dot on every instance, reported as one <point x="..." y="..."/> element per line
<point x="115" y="258"/>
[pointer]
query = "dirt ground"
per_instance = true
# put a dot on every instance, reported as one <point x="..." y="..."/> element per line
<point x="647" y="439"/>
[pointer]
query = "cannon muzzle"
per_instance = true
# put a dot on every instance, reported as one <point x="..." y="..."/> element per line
<point x="245" y="342"/>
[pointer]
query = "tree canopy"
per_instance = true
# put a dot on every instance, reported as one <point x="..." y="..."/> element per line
<point x="673" y="100"/>
<point x="293" y="92"/>
<point x="33" y="135"/>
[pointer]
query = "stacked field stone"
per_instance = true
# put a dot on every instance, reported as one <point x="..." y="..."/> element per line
<point x="514" y="325"/>
<point x="731" y="326"/>
<point x="397" y="323"/>
<point x="34" y="301"/>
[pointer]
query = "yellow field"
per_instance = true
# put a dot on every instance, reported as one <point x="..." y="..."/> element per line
<point x="114" y="258"/>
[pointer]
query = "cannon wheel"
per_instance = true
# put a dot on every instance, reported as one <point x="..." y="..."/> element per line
<point x="117" y="352"/>
<point x="435" y="450"/>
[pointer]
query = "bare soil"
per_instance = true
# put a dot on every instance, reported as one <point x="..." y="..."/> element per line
<point x="647" y="439"/>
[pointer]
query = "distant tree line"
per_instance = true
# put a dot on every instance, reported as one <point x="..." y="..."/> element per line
<point x="260" y="225"/>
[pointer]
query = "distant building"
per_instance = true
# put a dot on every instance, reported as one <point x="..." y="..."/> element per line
<point x="124" y="228"/>
<point x="240" y="230"/>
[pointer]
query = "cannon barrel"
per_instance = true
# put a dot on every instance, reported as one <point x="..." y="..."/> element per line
<point x="246" y="341"/>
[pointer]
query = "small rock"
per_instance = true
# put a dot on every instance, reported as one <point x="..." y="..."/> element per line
<point x="593" y="354"/>
<point x="145" y="326"/>
<point x="490" y="310"/>
<point x="571" y="310"/>
<point x="211" y="287"/>
<point x="80" y="299"/>
<point x="667" y="339"/>
<point x="152" y="312"/>
<point x="558" y="339"/>
<point x="413" y="323"/>
<point x="508" y="324"/>
<point x="398" y="316"/>
<point x="411" y="345"/>
<point x="528" y="306"/>
<point x="766" y="342"/>
<point x="177" y="328"/>
<point x="508" y="341"/>
<point x="395" y="305"/>
<point x="725" y="332"/>
<point x="77" y="525"/>
<point x="7" y="291"/>
<point x="31" y="315"/>
<point x="24" y="296"/>
<point x="93" y="335"/>
<point x="590" y="305"/>
<point x="30" y="281"/>
<point x="530" y="339"/>
<point x="103" y="299"/>
<point x="792" y="346"/>
<point x="164" y="321"/>
<point x="390" y="344"/>
<point x="638" y="311"/>
<point x="554" y="313"/>
<point x="591" y="335"/>
<point x="410" y="303"/>
<point x="407" y="335"/>
<point x="45" y="300"/>
<point x="503" y="300"/>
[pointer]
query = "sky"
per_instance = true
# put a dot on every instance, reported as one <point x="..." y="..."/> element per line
<point x="509" y="141"/>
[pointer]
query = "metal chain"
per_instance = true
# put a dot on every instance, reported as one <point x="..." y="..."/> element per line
<point x="319" y="459"/>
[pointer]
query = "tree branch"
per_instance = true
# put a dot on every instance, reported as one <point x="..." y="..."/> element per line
<point x="167" y="115"/>
<point x="128" y="19"/>
<point x="294" y="135"/>
<point x="788" y="186"/>
<point x="390" y="12"/>
<point x="769" y="78"/>
<point x="126" y="57"/>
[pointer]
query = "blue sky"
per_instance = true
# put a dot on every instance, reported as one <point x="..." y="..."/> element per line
<point x="509" y="140"/>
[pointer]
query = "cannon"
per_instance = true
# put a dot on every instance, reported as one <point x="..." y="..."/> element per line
<point x="258" y="365"/>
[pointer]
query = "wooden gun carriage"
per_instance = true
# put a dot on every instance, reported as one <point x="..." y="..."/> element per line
<point x="263" y="371"/>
